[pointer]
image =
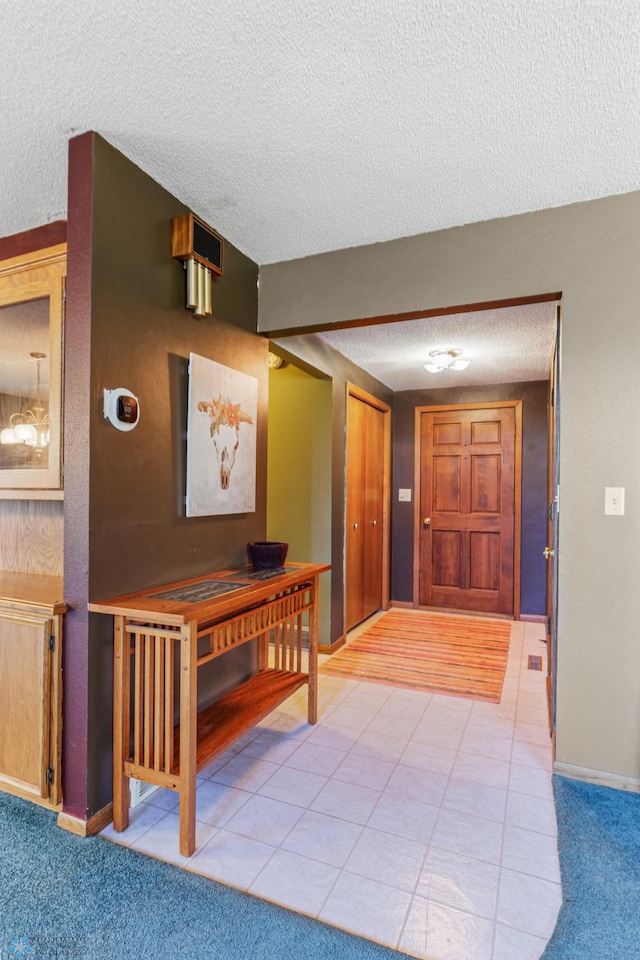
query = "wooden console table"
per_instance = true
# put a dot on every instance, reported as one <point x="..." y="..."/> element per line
<point x="159" y="736"/>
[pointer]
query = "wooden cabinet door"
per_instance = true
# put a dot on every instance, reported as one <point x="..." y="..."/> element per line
<point x="373" y="510"/>
<point x="365" y="514"/>
<point x="354" y="561"/>
<point x="25" y="702"/>
<point x="467" y="504"/>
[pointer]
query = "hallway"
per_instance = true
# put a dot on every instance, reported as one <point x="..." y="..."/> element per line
<point x="423" y="821"/>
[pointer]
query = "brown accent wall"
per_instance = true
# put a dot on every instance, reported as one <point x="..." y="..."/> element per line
<point x="125" y="523"/>
<point x="322" y="358"/>
<point x="534" y="481"/>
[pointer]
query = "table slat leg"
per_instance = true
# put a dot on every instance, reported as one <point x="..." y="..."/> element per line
<point x="188" y="736"/>
<point x="121" y="721"/>
<point x="313" y="653"/>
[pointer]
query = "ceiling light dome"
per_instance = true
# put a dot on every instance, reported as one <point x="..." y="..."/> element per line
<point x="448" y="359"/>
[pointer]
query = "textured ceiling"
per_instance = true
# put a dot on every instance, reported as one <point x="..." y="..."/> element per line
<point x="507" y="345"/>
<point x="298" y="126"/>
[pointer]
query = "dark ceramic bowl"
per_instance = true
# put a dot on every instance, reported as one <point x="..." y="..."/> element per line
<point x="267" y="553"/>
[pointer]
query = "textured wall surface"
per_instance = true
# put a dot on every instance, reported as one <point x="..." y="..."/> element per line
<point x="590" y="252"/>
<point x="125" y="523"/>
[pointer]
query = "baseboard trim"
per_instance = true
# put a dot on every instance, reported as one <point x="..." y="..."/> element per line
<point x="329" y="648"/>
<point x="533" y="617"/>
<point x="86" y="828"/>
<point x="15" y="791"/>
<point x="409" y="605"/>
<point x="601" y="778"/>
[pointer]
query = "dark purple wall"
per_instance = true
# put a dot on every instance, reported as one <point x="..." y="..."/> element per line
<point x="534" y="481"/>
<point x="125" y="523"/>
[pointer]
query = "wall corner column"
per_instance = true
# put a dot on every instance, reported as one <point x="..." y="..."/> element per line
<point x="77" y="408"/>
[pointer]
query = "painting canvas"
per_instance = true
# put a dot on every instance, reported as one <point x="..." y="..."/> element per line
<point x="221" y="439"/>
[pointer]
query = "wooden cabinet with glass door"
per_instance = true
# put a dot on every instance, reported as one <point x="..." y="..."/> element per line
<point x="31" y="311"/>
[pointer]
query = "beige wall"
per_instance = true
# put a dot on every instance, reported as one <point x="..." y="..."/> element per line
<point x="589" y="252"/>
<point x="299" y="473"/>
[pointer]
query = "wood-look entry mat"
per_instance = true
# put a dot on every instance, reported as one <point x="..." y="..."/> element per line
<point x="440" y="653"/>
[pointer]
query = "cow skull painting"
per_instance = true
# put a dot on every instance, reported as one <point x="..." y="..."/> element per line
<point x="221" y="439"/>
<point x="226" y="418"/>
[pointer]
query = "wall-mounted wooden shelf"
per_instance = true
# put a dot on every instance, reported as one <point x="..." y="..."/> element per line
<point x="156" y="635"/>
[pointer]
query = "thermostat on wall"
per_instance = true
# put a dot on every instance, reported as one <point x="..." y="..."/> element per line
<point x="121" y="408"/>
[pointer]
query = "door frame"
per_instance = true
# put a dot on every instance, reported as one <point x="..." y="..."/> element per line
<point x="553" y="492"/>
<point x="517" y="496"/>
<point x="359" y="394"/>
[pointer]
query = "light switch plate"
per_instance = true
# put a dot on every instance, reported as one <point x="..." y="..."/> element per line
<point x="614" y="501"/>
<point x="404" y="495"/>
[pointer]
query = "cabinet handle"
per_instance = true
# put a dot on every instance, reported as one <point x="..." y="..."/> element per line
<point x="374" y="523"/>
<point x="355" y="524"/>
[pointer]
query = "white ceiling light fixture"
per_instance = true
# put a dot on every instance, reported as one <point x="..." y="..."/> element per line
<point x="274" y="362"/>
<point x="449" y="359"/>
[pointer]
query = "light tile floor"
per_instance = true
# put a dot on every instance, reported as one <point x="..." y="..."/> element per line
<point x="422" y="821"/>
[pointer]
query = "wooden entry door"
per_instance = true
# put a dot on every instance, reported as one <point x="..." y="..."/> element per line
<point x="367" y="463"/>
<point x="469" y="473"/>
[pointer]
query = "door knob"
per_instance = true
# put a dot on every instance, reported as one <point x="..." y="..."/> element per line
<point x="355" y="524"/>
<point x="373" y="523"/>
<point x="548" y="552"/>
<point x="426" y="521"/>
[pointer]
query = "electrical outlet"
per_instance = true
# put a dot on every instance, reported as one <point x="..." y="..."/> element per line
<point x="614" y="501"/>
<point x="404" y="496"/>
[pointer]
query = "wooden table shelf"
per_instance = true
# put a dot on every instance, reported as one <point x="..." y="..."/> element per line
<point x="158" y="639"/>
<point x="239" y="711"/>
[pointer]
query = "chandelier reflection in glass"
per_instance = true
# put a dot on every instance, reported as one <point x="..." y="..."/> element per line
<point x="30" y="427"/>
